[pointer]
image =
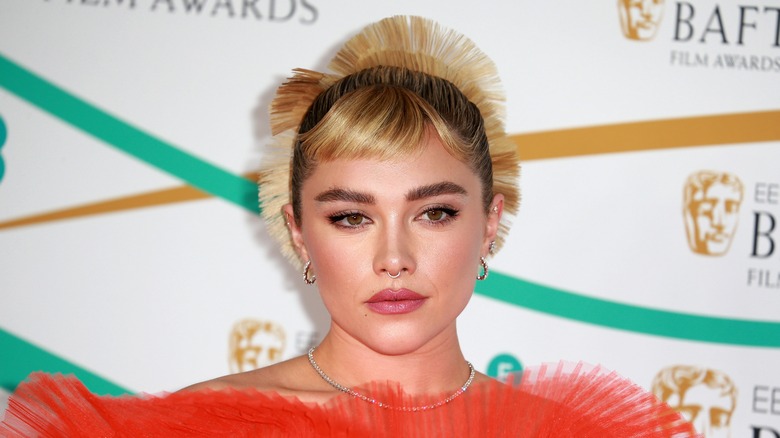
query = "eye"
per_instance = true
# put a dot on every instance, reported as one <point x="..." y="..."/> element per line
<point x="719" y="417"/>
<point x="354" y="219"/>
<point x="439" y="215"/>
<point x="705" y="208"/>
<point x="349" y="220"/>
<point x="689" y="412"/>
<point x="435" y="215"/>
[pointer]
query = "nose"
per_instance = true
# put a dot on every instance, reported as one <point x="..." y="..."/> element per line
<point x="646" y="5"/>
<point x="702" y="425"/>
<point x="394" y="253"/>
<point x="718" y="213"/>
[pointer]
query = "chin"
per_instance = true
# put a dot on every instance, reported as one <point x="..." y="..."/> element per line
<point x="396" y="348"/>
<point x="403" y="339"/>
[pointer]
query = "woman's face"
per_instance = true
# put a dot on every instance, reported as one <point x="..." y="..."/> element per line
<point x="422" y="216"/>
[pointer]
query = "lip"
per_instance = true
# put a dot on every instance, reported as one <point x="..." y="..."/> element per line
<point x="395" y="302"/>
<point x="718" y="237"/>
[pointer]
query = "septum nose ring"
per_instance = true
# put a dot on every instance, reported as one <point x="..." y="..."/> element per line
<point x="393" y="276"/>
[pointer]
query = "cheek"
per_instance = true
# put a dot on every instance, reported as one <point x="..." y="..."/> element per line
<point x="345" y="275"/>
<point x="335" y="261"/>
<point x="453" y="260"/>
<point x="453" y="253"/>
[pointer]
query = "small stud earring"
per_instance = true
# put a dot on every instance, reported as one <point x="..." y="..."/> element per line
<point x="492" y="248"/>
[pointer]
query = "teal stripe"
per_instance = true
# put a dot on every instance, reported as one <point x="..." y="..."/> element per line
<point x="127" y="138"/>
<point x="627" y="317"/>
<point x="20" y="358"/>
<point x="515" y="291"/>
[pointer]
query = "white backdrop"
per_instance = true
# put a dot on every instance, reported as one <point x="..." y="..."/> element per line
<point x="142" y="296"/>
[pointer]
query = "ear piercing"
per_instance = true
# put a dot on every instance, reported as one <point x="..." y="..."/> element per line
<point x="484" y="269"/>
<point x="306" y="274"/>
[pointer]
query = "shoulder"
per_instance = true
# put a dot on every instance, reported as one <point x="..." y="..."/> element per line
<point x="293" y="377"/>
<point x="482" y="378"/>
<point x="274" y="377"/>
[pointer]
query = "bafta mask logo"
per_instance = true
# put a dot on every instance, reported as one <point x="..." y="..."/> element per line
<point x="255" y="344"/>
<point x="705" y="397"/>
<point x="711" y="211"/>
<point x="640" y="19"/>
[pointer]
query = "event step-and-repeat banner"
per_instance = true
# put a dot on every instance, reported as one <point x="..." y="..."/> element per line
<point x="648" y="238"/>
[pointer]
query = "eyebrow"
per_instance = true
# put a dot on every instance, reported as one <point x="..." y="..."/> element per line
<point x="431" y="190"/>
<point x="339" y="194"/>
<point x="428" y="191"/>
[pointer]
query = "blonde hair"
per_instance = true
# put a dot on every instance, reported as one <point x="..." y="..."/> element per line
<point x="395" y="82"/>
<point x="385" y="112"/>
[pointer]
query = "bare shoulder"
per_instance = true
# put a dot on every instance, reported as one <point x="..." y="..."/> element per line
<point x="292" y="377"/>
<point x="481" y="378"/>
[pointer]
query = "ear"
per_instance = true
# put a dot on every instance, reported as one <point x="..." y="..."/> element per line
<point x="295" y="232"/>
<point x="492" y="223"/>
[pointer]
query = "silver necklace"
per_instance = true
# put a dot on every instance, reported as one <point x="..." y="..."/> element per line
<point x="374" y="401"/>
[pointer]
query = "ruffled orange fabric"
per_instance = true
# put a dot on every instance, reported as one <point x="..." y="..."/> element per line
<point x="555" y="401"/>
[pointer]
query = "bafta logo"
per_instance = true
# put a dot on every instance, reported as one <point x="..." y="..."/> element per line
<point x="705" y="397"/>
<point x="640" y="19"/>
<point x="711" y="211"/>
<point x="255" y="344"/>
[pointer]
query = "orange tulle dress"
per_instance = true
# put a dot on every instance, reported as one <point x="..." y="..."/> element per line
<point x="552" y="401"/>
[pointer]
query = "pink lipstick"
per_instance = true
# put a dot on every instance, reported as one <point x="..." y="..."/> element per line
<point x="395" y="302"/>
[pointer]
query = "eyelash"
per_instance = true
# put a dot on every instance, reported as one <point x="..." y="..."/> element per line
<point x="338" y="217"/>
<point x="450" y="213"/>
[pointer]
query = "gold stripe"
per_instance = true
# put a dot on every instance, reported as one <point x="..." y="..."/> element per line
<point x="625" y="137"/>
<point x="161" y="197"/>
<point x="651" y="135"/>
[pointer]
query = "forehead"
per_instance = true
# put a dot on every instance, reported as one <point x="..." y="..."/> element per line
<point x="431" y="164"/>
<point x="702" y="395"/>
<point x="720" y="191"/>
<point x="636" y="3"/>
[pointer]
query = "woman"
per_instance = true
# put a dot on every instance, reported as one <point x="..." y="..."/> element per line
<point x="390" y="189"/>
<point x="391" y="209"/>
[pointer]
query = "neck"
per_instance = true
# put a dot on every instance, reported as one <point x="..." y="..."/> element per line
<point x="437" y="367"/>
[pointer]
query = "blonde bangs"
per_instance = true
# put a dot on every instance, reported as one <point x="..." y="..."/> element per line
<point x="377" y="122"/>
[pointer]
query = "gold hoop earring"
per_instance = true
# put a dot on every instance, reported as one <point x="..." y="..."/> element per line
<point x="484" y="269"/>
<point x="306" y="274"/>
